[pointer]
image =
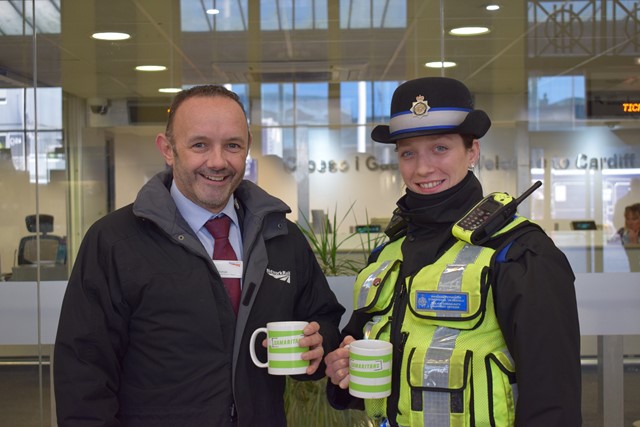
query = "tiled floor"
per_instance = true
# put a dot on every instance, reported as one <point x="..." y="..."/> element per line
<point x="591" y="411"/>
<point x="20" y="396"/>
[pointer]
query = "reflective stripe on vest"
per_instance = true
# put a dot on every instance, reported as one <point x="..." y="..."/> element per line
<point x="437" y="406"/>
<point x="369" y="281"/>
<point x="451" y="279"/>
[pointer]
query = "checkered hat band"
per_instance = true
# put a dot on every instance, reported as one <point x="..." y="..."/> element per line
<point x="436" y="118"/>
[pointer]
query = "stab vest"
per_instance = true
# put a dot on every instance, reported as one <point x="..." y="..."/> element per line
<point x="454" y="367"/>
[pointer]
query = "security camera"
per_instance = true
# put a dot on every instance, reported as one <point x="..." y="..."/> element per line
<point x="99" y="105"/>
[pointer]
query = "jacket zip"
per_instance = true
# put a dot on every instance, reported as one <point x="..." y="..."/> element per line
<point x="398" y="339"/>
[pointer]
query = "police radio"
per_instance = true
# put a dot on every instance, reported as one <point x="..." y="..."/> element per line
<point x="489" y="215"/>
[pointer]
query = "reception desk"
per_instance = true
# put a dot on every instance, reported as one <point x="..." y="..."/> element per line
<point x="596" y="252"/>
<point x="588" y="251"/>
<point x="47" y="271"/>
<point x="599" y="296"/>
<point x="20" y="303"/>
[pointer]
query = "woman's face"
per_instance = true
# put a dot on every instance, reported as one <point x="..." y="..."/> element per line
<point x="632" y="220"/>
<point x="431" y="164"/>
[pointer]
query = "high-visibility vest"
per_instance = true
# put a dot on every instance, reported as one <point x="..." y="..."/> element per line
<point x="455" y="367"/>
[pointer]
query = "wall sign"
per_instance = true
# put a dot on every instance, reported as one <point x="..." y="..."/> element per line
<point x="585" y="161"/>
<point x="497" y="163"/>
<point x="340" y="166"/>
<point x="621" y="104"/>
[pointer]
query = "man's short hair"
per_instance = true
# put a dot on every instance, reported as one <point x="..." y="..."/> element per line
<point x="211" y="91"/>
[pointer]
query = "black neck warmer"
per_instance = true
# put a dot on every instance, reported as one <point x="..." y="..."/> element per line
<point x="431" y="216"/>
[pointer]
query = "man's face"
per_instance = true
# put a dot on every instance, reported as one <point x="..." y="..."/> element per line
<point x="434" y="163"/>
<point x="211" y="142"/>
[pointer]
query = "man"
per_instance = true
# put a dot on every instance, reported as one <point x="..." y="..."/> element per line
<point x="148" y="335"/>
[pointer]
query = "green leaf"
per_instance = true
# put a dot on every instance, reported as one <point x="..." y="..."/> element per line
<point x="326" y="244"/>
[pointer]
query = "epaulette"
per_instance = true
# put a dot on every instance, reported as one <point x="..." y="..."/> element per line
<point x="397" y="226"/>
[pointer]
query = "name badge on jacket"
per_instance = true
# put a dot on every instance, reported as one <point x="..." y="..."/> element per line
<point x="229" y="269"/>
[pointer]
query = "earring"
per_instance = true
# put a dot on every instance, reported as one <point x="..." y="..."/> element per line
<point x="471" y="166"/>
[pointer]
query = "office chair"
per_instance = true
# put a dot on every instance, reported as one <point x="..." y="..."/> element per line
<point x="49" y="243"/>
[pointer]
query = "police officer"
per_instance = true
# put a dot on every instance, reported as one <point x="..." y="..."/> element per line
<point x="485" y="331"/>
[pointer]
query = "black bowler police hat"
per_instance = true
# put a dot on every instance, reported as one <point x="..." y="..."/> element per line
<point x="431" y="106"/>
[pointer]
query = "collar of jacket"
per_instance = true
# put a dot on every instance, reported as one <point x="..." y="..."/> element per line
<point x="256" y="208"/>
<point x="441" y="209"/>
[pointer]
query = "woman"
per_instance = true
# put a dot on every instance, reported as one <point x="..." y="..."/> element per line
<point x="499" y="342"/>
<point x="628" y="235"/>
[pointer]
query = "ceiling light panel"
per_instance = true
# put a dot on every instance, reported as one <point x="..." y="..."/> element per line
<point x="469" y="31"/>
<point x="111" y="36"/>
<point x="440" y="64"/>
<point x="151" y="68"/>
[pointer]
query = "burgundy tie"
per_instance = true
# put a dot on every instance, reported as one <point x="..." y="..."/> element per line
<point x="222" y="250"/>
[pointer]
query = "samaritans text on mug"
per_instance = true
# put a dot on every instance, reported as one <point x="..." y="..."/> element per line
<point x="370" y="369"/>
<point x="283" y="348"/>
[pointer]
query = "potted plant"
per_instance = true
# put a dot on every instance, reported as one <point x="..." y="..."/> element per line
<point x="305" y="401"/>
<point x="327" y="245"/>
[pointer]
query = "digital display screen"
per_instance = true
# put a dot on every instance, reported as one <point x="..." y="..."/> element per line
<point x="613" y="104"/>
<point x="583" y="225"/>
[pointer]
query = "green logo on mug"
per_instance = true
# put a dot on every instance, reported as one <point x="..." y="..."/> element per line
<point x="370" y="369"/>
<point x="284" y="353"/>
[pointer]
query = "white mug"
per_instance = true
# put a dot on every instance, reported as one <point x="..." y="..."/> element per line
<point x="370" y="369"/>
<point x="283" y="348"/>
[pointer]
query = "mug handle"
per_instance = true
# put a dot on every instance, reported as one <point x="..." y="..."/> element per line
<point x="252" y="349"/>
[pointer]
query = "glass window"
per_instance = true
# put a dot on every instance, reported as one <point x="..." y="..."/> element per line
<point x="13" y="12"/>
<point x="556" y="100"/>
<point x="232" y="15"/>
<point x="373" y="14"/>
<point x="277" y="103"/>
<point x="293" y="15"/>
<point x="17" y="123"/>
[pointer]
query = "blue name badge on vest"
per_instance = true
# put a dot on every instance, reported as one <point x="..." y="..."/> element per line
<point x="442" y="301"/>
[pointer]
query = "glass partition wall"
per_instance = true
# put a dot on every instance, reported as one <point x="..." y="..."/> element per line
<point x="78" y="119"/>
